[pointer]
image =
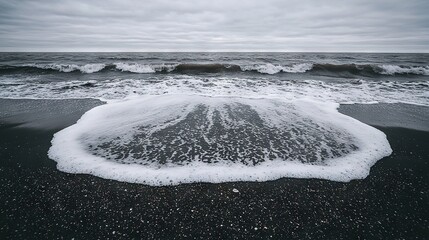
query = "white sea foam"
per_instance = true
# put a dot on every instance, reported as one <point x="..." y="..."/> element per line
<point x="144" y="68"/>
<point x="263" y="68"/>
<point x="298" y="68"/>
<point x="135" y="68"/>
<point x="354" y="91"/>
<point x="107" y="140"/>
<point x="394" y="69"/>
<point x="91" y="68"/>
<point x="87" y="68"/>
<point x="269" y="68"/>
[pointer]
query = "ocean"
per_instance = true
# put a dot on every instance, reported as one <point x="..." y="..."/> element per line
<point x="339" y="78"/>
<point x="214" y="145"/>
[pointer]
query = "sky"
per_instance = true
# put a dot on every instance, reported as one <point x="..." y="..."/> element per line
<point x="215" y="25"/>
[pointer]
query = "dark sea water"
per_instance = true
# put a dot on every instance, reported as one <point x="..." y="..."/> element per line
<point x="223" y="145"/>
<point x="339" y="77"/>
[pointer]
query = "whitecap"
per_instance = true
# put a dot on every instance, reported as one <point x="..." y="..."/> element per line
<point x="298" y="68"/>
<point x="269" y="68"/>
<point x="144" y="68"/>
<point x="91" y="68"/>
<point x="87" y="68"/>
<point x="135" y="67"/>
<point x="394" y="69"/>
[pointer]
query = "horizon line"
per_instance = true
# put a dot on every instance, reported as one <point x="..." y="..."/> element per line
<point x="220" y="51"/>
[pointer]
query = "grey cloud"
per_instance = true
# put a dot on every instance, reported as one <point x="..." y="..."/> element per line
<point x="217" y="25"/>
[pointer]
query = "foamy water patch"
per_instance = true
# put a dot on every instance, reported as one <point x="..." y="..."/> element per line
<point x="173" y="139"/>
<point x="269" y="68"/>
<point x="135" y="68"/>
<point x="87" y="68"/>
<point x="354" y="91"/>
<point x="144" y="68"/>
<point x="395" y="69"/>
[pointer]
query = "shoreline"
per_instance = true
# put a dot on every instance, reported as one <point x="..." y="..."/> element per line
<point x="39" y="201"/>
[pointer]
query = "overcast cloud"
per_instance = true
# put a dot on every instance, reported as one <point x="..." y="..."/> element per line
<point x="215" y="25"/>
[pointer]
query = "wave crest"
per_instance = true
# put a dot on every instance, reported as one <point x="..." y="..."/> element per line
<point x="196" y="68"/>
<point x="144" y="68"/>
<point x="269" y="68"/>
<point x="87" y="68"/>
<point x="394" y="69"/>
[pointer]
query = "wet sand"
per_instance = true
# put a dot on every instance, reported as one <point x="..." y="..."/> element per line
<point x="37" y="201"/>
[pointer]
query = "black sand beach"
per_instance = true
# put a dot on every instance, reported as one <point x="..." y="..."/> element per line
<point x="39" y="202"/>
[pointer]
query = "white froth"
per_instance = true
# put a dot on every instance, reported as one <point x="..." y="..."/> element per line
<point x="87" y="68"/>
<point x="134" y="67"/>
<point x="120" y="118"/>
<point x="298" y="68"/>
<point x="263" y="68"/>
<point x="394" y="69"/>
<point x="354" y="91"/>
<point x="269" y="68"/>
<point x="144" y="68"/>
<point x="91" y="68"/>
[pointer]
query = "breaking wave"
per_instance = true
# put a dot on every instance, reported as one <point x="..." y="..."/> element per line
<point x="273" y="69"/>
<point x="195" y="68"/>
<point x="144" y="68"/>
<point x="370" y="70"/>
<point x="394" y="69"/>
<point x="87" y="68"/>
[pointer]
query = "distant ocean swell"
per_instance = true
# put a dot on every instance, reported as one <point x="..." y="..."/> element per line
<point x="186" y="68"/>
